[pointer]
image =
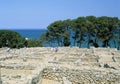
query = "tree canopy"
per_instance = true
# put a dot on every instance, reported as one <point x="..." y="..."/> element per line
<point x="11" y="39"/>
<point x="88" y="30"/>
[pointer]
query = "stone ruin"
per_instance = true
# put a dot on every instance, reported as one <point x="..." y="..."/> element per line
<point x="44" y="65"/>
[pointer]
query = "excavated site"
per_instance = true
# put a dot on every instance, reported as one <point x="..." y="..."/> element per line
<point x="64" y="65"/>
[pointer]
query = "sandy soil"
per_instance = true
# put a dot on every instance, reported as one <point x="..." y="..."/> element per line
<point x="15" y="72"/>
<point x="47" y="81"/>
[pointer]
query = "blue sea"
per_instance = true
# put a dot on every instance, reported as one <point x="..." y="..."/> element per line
<point x="30" y="33"/>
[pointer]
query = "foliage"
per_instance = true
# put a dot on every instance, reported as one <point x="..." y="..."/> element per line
<point x="57" y="33"/>
<point x="107" y="25"/>
<point x="10" y="39"/>
<point x="34" y="43"/>
<point x="90" y="30"/>
<point x="13" y="39"/>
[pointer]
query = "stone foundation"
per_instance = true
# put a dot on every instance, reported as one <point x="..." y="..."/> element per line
<point x="81" y="76"/>
<point x="66" y="66"/>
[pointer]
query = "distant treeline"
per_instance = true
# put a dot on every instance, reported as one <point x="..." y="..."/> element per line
<point x="13" y="39"/>
<point x="88" y="29"/>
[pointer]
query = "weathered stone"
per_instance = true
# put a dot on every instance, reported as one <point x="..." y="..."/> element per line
<point x="73" y="65"/>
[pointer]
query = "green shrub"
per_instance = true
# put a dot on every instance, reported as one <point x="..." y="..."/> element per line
<point x="10" y="39"/>
<point x="34" y="43"/>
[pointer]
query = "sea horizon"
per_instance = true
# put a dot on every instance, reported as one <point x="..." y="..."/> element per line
<point x="22" y="28"/>
<point x="29" y="33"/>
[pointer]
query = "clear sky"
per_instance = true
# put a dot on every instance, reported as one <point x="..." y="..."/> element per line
<point x="40" y="13"/>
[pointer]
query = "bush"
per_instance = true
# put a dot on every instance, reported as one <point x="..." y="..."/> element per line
<point x="13" y="39"/>
<point x="34" y="43"/>
<point x="10" y="39"/>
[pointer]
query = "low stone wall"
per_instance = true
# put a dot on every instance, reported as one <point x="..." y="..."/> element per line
<point x="36" y="78"/>
<point x="81" y="76"/>
<point x="17" y="66"/>
<point x="52" y="73"/>
<point x="7" y="57"/>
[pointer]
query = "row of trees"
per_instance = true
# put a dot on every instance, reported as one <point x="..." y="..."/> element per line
<point x="13" y="39"/>
<point x="88" y="30"/>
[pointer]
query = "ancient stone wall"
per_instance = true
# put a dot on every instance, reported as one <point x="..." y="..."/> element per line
<point x="36" y="77"/>
<point x="81" y="76"/>
<point x="66" y="66"/>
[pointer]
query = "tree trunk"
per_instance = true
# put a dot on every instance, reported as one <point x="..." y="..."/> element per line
<point x="88" y="40"/>
<point x="74" y="43"/>
<point x="118" y="45"/>
<point x="80" y="44"/>
<point x="105" y="43"/>
<point x="114" y="43"/>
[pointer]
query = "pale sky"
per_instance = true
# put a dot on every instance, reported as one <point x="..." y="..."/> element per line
<point x="40" y="13"/>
